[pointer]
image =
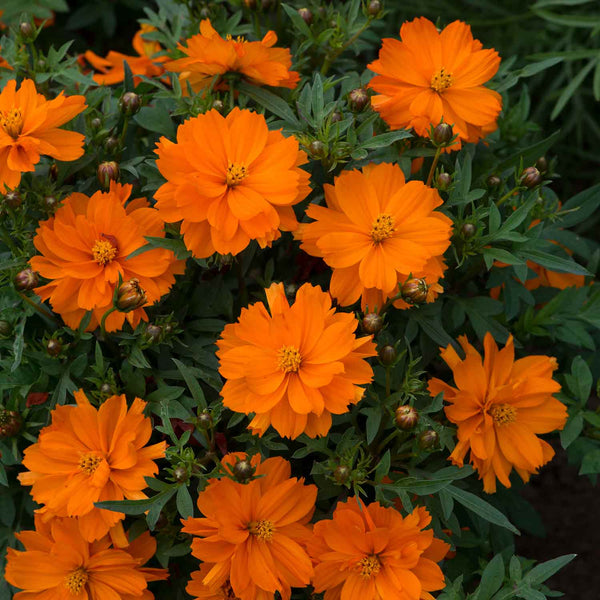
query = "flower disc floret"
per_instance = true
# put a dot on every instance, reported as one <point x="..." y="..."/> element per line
<point x="308" y="367"/>
<point x="229" y="181"/>
<point x="499" y="405"/>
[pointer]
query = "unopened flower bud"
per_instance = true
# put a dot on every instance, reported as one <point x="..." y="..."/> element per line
<point x="218" y="105"/>
<point x="243" y="471"/>
<point x="372" y="323"/>
<point x="153" y="333"/>
<point x="541" y="164"/>
<point x="530" y="178"/>
<point x="96" y="123"/>
<point x="358" y="99"/>
<point x="27" y="31"/>
<point x="442" y="134"/>
<point x="306" y="15"/>
<point x="317" y="149"/>
<point x="428" y="439"/>
<point x="53" y="347"/>
<point x="26" y="280"/>
<point x="53" y="172"/>
<point x="468" y="230"/>
<point x="111" y="144"/>
<point x="406" y="417"/>
<point x="5" y="328"/>
<point x="107" y="172"/>
<point x="205" y="420"/>
<point x="130" y="296"/>
<point x="251" y="4"/>
<point x="493" y="181"/>
<point x="414" y="291"/>
<point x="341" y="474"/>
<point x="13" y="199"/>
<point x="10" y="423"/>
<point x="443" y="181"/>
<point x="374" y="8"/>
<point x="50" y="203"/>
<point x="336" y="116"/>
<point x="387" y="355"/>
<point x="180" y="474"/>
<point x="106" y="389"/>
<point x="130" y="103"/>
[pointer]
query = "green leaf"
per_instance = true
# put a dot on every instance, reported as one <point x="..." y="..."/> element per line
<point x="571" y="88"/>
<point x="159" y="501"/>
<point x="580" y="382"/>
<point x="491" y="578"/>
<point x="590" y="463"/>
<point x="545" y="570"/>
<point x="193" y="385"/>
<point x="298" y="21"/>
<point x="586" y="21"/>
<point x="156" y="118"/>
<point x="528" y="155"/>
<point x="137" y="358"/>
<point x="373" y="422"/>
<point x="271" y="102"/>
<point x="554" y="263"/>
<point x="572" y="430"/>
<point x="481" y="507"/>
<point x="580" y="207"/>
<point x="386" y="139"/>
<point x="383" y="466"/>
<point x="18" y="343"/>
<point x="184" y="502"/>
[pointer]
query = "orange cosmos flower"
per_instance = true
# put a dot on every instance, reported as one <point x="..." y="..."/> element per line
<point x="230" y="180"/>
<point x="89" y="455"/>
<point x="305" y="368"/>
<point x="102" y="232"/>
<point x="208" y="54"/>
<point x="373" y="553"/>
<point x="29" y="127"/>
<point x="58" y="563"/>
<point x="499" y="404"/>
<point x="252" y="535"/>
<point x="376" y="231"/>
<point x="111" y="68"/>
<point x="429" y="77"/>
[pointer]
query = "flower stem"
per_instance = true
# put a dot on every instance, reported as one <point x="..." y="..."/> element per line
<point x="103" y="320"/>
<point x="40" y="309"/>
<point x="508" y="195"/>
<point x="433" y="165"/>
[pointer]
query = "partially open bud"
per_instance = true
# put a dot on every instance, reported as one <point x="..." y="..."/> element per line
<point x="336" y="116"/>
<point x="468" y="230"/>
<point x="374" y="8"/>
<point x="243" y="471"/>
<point x="13" y="199"/>
<point x="108" y="171"/>
<point x="406" y="417"/>
<point x="130" y="103"/>
<point x="27" y="31"/>
<point x="53" y="347"/>
<point x="358" y="99"/>
<point x="387" y="355"/>
<point x="493" y="181"/>
<point x="414" y="291"/>
<point x="153" y="333"/>
<point x="205" y="420"/>
<point x="10" y="423"/>
<point x="428" y="439"/>
<point x="306" y="15"/>
<point x="130" y="296"/>
<point x="443" y="181"/>
<point x="442" y="134"/>
<point x="372" y="323"/>
<point x="26" y="280"/>
<point x="530" y="178"/>
<point x="317" y="149"/>
<point x="341" y="474"/>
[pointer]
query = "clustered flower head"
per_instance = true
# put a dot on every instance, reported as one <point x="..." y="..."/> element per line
<point x="29" y="128"/>
<point x="229" y="181"/>
<point x="103" y="231"/>
<point x="499" y="405"/>
<point x="208" y="55"/>
<point x="376" y="232"/>
<point x="432" y="76"/>
<point x="293" y="366"/>
<point x="58" y="563"/>
<point x="89" y="455"/>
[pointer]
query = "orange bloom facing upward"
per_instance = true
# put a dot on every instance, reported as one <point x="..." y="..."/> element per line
<point x="230" y="180"/>
<point x="376" y="231"/>
<point x="59" y="563"/>
<point x="294" y="367"/>
<point x="208" y="54"/>
<point x="112" y="70"/>
<point x="373" y="553"/>
<point x="102" y="232"/>
<point x="499" y="405"/>
<point x="89" y="455"/>
<point x="29" y="127"/>
<point x="429" y="77"/>
<point x="252" y="535"/>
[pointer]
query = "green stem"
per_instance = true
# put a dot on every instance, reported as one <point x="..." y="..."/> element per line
<point x="103" y="320"/>
<point x="39" y="308"/>
<point x="5" y="236"/>
<point x="330" y="57"/>
<point x="388" y="382"/>
<point x="507" y="195"/>
<point x="434" y="165"/>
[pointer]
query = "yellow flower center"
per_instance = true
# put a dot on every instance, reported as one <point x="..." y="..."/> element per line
<point x="88" y="463"/>
<point x="383" y="228"/>
<point x="442" y="80"/>
<point x="263" y="530"/>
<point x="369" y="565"/>
<point x="12" y="122"/>
<point x="240" y="39"/>
<point x="75" y="582"/>
<point x="289" y="359"/>
<point x="235" y="174"/>
<point x="104" y="252"/>
<point x="503" y="413"/>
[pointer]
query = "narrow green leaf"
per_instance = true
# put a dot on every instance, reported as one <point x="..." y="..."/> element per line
<point x="192" y="383"/>
<point x="386" y="139"/>
<point x="545" y="570"/>
<point x="554" y="263"/>
<point x="571" y="88"/>
<point x="492" y="578"/>
<point x="184" y="502"/>
<point x="572" y="430"/>
<point x="271" y="102"/>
